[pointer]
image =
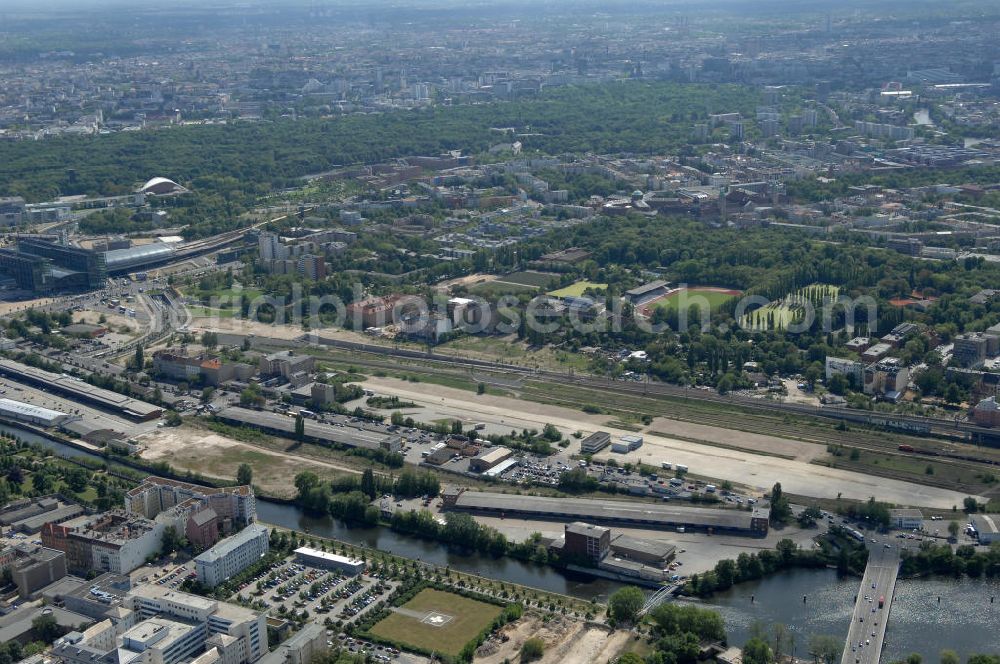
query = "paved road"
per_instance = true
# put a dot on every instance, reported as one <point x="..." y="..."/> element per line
<point x="868" y="622"/>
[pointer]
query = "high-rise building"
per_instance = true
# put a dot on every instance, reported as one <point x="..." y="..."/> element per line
<point x="311" y="267"/>
<point x="271" y="247"/>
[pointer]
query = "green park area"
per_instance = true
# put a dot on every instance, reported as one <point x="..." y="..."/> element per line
<point x="780" y="314"/>
<point x="577" y="289"/>
<point x="437" y="621"/>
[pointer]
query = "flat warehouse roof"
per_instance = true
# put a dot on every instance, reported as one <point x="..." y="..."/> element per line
<point x="607" y="510"/>
<point x="283" y="424"/>
<point x="78" y="388"/>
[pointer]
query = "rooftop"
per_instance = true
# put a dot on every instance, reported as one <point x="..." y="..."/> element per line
<point x="323" y="555"/>
<point x="609" y="510"/>
<point x="230" y="544"/>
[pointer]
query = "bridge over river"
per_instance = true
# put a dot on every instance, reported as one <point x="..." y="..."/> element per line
<point x="871" y="608"/>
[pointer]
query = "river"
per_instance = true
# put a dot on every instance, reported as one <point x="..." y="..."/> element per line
<point x="923" y="117"/>
<point x="964" y="621"/>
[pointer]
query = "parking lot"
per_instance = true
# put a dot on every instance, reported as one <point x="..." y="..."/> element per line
<point x="291" y="588"/>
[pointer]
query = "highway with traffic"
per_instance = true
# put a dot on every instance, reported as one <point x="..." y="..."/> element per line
<point x="866" y="635"/>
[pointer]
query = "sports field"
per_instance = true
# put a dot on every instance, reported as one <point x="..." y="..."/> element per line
<point x="529" y="278"/>
<point x="691" y="296"/>
<point x="438" y="621"/>
<point x="576" y="290"/>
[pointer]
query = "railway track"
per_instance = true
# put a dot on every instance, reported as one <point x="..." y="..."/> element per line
<point x="871" y="441"/>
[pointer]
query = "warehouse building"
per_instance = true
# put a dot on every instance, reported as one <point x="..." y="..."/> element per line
<point x="78" y="390"/>
<point x="232" y="555"/>
<point x="595" y="442"/>
<point x="28" y="515"/>
<point x="282" y="425"/>
<point x="611" y="512"/>
<point x="25" y="412"/>
<point x="324" y="560"/>
<point x="906" y="519"/>
<point x="645" y="551"/>
<point x="627" y="443"/>
<point x="489" y="459"/>
<point x="987" y="527"/>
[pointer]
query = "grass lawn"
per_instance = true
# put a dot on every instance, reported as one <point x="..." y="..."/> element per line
<point x="576" y="290"/>
<point x="493" y="289"/>
<point x="468" y="618"/>
<point x="529" y="278"/>
<point x="715" y="298"/>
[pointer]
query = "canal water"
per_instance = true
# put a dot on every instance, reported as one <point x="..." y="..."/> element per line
<point x="964" y="620"/>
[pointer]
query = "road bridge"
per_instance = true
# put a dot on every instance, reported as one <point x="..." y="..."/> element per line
<point x="866" y="635"/>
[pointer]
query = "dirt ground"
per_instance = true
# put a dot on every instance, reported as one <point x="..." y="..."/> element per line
<point x="565" y="640"/>
<point x="445" y="286"/>
<point x="740" y="462"/>
<point x="113" y="321"/>
<point x="187" y="448"/>
<point x="9" y="307"/>
<point x="241" y="326"/>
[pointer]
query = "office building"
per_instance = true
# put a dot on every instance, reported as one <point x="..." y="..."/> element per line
<point x="165" y="627"/>
<point x="595" y="442"/>
<point x="587" y="540"/>
<point x="232" y="555"/>
<point x="306" y="644"/>
<point x="81" y="268"/>
<point x="285" y="363"/>
<point x="239" y="633"/>
<point x="971" y="350"/>
<point x="33" y="567"/>
<point x="11" y="210"/>
<point x="324" y="560"/>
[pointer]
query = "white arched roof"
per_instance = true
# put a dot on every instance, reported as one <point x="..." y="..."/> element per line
<point x="160" y="183"/>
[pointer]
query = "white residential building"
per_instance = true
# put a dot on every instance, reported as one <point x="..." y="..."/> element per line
<point x="232" y="555"/>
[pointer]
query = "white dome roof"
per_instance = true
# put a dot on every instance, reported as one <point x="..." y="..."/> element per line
<point x="160" y="185"/>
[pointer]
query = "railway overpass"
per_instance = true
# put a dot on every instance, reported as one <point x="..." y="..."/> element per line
<point x="866" y="635"/>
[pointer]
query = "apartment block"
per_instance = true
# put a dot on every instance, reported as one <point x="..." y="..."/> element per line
<point x="114" y="541"/>
<point x="157" y="494"/>
<point x="232" y="555"/>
